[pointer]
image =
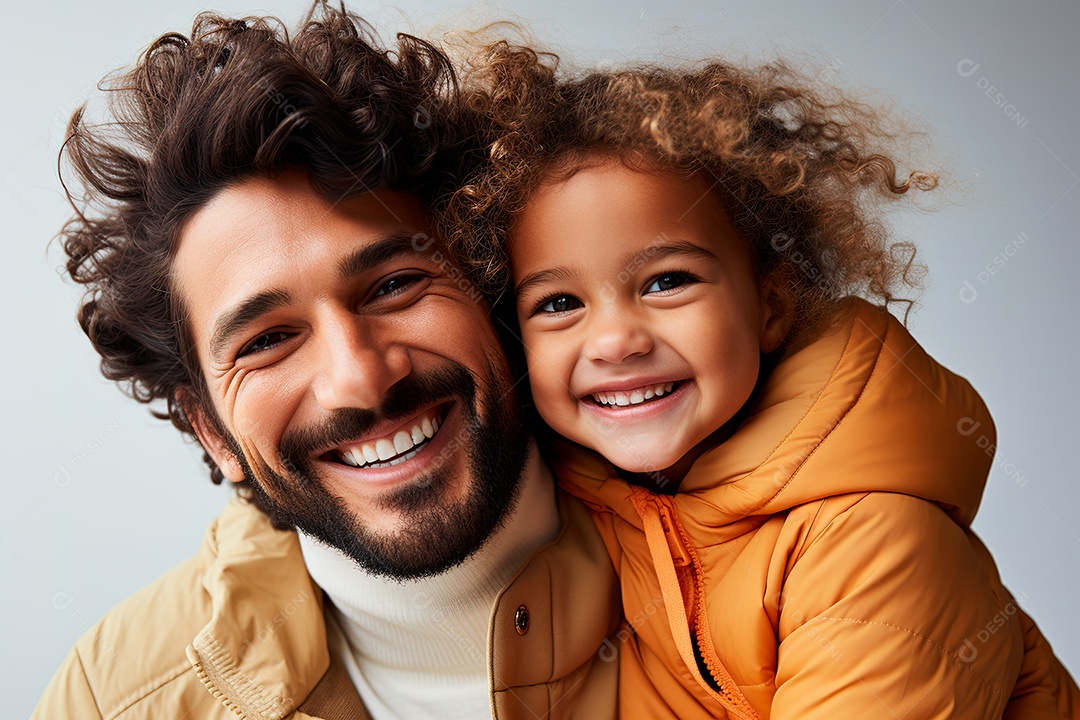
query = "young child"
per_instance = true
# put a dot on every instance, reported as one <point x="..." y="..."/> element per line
<point x="784" y="479"/>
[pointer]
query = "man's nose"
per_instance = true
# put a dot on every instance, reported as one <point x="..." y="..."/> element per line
<point x="615" y="336"/>
<point x="357" y="368"/>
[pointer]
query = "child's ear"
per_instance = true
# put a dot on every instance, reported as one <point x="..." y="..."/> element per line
<point x="212" y="442"/>
<point x="777" y="313"/>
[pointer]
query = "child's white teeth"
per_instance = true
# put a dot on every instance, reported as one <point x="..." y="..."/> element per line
<point x="634" y="397"/>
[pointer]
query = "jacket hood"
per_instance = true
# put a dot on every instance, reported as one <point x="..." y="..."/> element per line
<point x="862" y="409"/>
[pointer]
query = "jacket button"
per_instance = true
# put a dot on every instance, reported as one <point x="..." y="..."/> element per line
<point x="521" y="620"/>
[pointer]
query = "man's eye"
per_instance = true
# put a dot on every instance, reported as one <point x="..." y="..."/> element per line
<point x="397" y="284"/>
<point x="558" y="304"/>
<point x="669" y="281"/>
<point x="264" y="342"/>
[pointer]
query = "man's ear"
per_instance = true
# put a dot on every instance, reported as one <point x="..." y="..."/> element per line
<point x="212" y="442"/>
<point x="777" y="312"/>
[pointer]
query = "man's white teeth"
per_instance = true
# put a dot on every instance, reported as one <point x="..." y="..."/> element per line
<point x="354" y="457"/>
<point x="633" y="397"/>
<point x="385" y="449"/>
<point x="381" y="450"/>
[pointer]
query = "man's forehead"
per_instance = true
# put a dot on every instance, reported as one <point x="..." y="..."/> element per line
<point x="289" y="204"/>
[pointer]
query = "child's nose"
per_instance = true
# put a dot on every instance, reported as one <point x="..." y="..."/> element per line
<point x="617" y="339"/>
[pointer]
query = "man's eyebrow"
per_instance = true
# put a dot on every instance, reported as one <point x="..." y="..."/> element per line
<point x="370" y="256"/>
<point x="231" y="322"/>
<point x="380" y="251"/>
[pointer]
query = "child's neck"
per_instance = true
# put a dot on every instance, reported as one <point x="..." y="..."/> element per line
<point x="668" y="480"/>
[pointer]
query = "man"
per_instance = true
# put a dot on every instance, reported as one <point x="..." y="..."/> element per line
<point x="256" y="247"/>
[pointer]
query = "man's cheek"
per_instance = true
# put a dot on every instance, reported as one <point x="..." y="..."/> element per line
<point x="260" y="466"/>
<point x="230" y="389"/>
<point x="255" y="436"/>
<point x="260" y="406"/>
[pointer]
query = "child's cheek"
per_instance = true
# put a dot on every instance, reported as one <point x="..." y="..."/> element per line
<point x="549" y="379"/>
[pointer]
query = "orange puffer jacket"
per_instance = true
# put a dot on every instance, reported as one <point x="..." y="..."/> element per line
<point x="820" y="562"/>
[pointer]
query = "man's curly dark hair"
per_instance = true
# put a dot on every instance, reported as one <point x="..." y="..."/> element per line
<point x="238" y="98"/>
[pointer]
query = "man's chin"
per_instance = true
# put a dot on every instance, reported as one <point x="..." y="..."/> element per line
<point x="412" y="527"/>
<point x="421" y="531"/>
<point x="418" y="529"/>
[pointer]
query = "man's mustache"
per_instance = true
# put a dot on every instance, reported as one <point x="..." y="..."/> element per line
<point x="406" y="397"/>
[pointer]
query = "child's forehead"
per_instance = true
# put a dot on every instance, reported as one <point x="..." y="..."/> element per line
<point x="618" y="211"/>
<point x="599" y="182"/>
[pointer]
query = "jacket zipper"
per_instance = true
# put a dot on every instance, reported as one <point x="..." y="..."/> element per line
<point x="684" y="557"/>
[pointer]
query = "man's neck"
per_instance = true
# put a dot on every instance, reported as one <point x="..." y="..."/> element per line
<point x="431" y="633"/>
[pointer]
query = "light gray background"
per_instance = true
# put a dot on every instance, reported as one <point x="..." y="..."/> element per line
<point x="100" y="498"/>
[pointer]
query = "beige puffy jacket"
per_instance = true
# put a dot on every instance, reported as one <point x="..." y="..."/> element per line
<point x="819" y="564"/>
<point x="238" y="631"/>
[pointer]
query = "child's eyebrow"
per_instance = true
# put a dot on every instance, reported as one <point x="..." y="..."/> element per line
<point x="674" y="249"/>
<point x="547" y="275"/>
<point x="634" y="258"/>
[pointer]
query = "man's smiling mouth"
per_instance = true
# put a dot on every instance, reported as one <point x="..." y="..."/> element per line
<point x="395" y="448"/>
<point x="636" y="396"/>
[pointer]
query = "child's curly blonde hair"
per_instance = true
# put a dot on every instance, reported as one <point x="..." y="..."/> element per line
<point x="803" y="171"/>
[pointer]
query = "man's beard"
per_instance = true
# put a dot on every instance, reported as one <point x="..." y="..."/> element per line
<point x="435" y="533"/>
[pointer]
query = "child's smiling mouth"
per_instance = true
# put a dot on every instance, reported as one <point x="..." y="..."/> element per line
<point x="634" y="396"/>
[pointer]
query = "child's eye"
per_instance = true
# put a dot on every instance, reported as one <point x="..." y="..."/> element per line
<point x="669" y="281"/>
<point x="264" y="342"/>
<point x="558" y="304"/>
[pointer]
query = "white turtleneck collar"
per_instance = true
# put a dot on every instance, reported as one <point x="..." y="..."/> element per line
<point x="418" y="649"/>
